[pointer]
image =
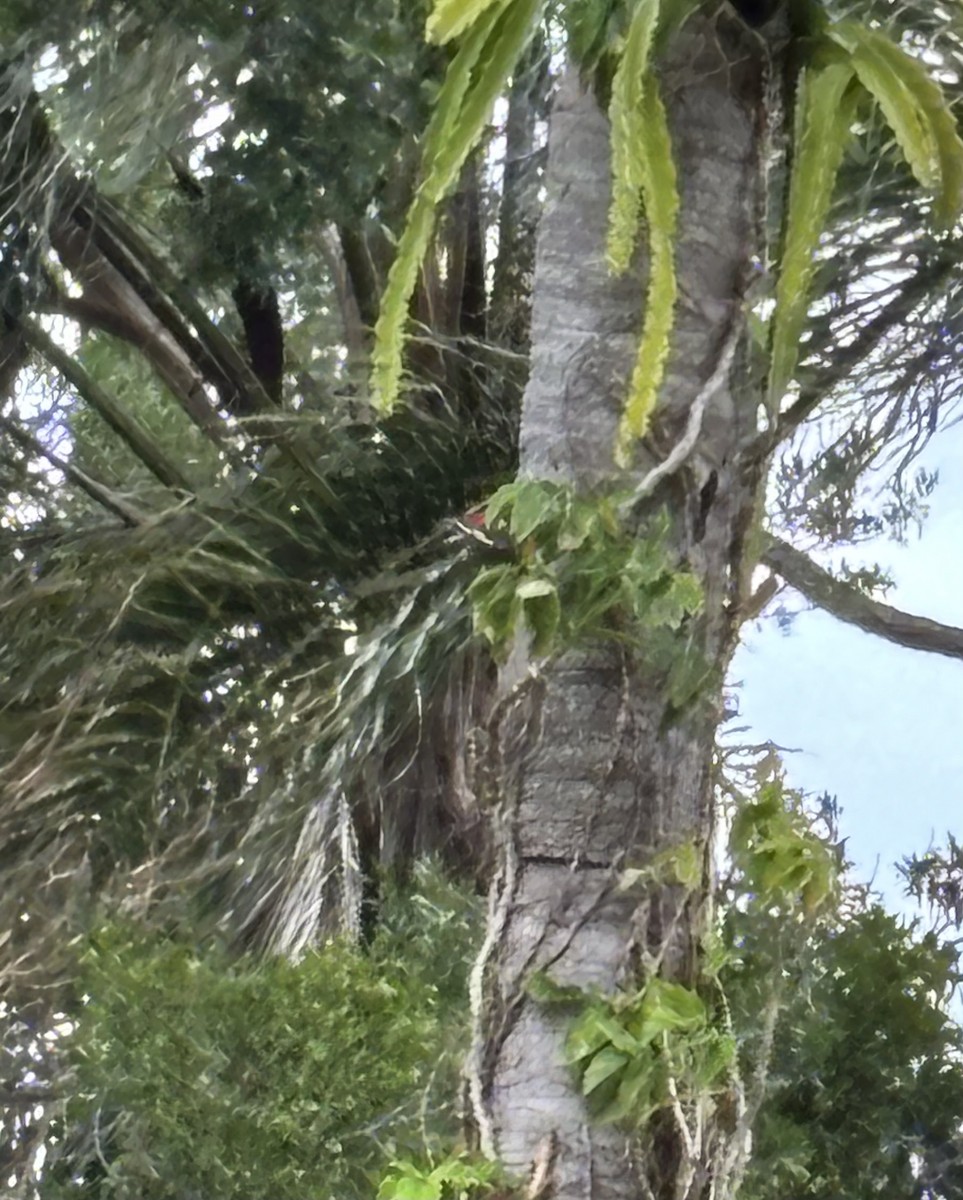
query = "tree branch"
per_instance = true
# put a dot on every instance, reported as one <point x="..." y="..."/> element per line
<point x="97" y="491"/>
<point x="126" y="427"/>
<point x="847" y="603"/>
<point x="361" y="275"/>
<point x="846" y="358"/>
<point x="220" y="359"/>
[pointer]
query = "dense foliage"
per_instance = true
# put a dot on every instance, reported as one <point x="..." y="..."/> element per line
<point x="197" y="1073"/>
<point x="866" y="1088"/>
<point x="252" y="1077"/>
<point x="246" y="627"/>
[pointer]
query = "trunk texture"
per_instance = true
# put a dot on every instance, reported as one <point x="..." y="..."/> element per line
<point x="596" y="771"/>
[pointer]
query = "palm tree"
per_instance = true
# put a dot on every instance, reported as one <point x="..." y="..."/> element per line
<point x="238" y="629"/>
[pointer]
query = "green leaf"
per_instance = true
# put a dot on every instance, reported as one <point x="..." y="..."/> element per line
<point x="602" y="1066"/>
<point x="476" y="75"/>
<point x="594" y="1030"/>
<point x="578" y="525"/>
<point x="533" y="588"/>
<point x="535" y="504"/>
<point x="899" y="107"/>
<point x="915" y="109"/>
<point x="824" y="110"/>
<point x="635" y="1097"/>
<point x="643" y="175"/>
<point x="450" y="18"/>
<point x="543" y="612"/>
<point x="661" y="199"/>
<point x="587" y="26"/>
<point x="501" y="500"/>
<point x="669" y="1006"/>
<point x="495" y="603"/>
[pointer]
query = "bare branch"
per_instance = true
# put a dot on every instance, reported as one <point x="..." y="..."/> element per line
<point x="851" y="605"/>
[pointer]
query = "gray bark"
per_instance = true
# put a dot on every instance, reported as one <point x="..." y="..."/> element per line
<point x="595" y="769"/>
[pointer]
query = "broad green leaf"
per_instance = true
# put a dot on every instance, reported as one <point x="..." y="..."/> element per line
<point x="543" y="613"/>
<point x="450" y="18"/>
<point x="535" y="504"/>
<point x="476" y="76"/>
<point x="617" y="1034"/>
<point x="661" y="199"/>
<point x="502" y="499"/>
<point x="666" y="1007"/>
<point x="824" y="109"/>
<point x="915" y="109"/>
<point x="578" y="525"/>
<point x="675" y="1003"/>
<point x="594" y="1030"/>
<point x="635" y="1089"/>
<point x="495" y="603"/>
<point x="603" y="1066"/>
<point x="533" y="588"/>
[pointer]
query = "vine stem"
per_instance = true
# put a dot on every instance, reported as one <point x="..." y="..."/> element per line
<point x="686" y="444"/>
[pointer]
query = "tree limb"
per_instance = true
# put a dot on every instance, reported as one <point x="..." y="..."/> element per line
<point x="97" y="491"/>
<point x="140" y="441"/>
<point x="846" y="358"/>
<point x="114" y="304"/>
<point x="220" y="359"/>
<point x="849" y="604"/>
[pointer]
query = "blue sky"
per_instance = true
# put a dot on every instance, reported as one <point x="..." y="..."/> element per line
<point x="876" y="724"/>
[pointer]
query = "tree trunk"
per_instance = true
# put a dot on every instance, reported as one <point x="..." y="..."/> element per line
<point x="596" y="769"/>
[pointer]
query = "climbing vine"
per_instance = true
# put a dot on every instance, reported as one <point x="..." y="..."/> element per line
<point x="661" y="1044"/>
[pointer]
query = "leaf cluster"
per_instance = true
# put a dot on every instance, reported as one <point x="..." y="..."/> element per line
<point x="636" y="1053"/>
<point x="864" y="1085"/>
<point x="454" y="1178"/>
<point x="578" y="573"/>
<point x="782" y="861"/>
<point x="853" y="65"/>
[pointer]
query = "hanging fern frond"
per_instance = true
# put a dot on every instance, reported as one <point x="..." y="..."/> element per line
<point x="476" y="76"/>
<point x="660" y="194"/>
<point x="629" y="148"/>
<point x="450" y="18"/>
<point x="825" y="102"/>
<point x="914" y="108"/>
<point x="912" y="105"/>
